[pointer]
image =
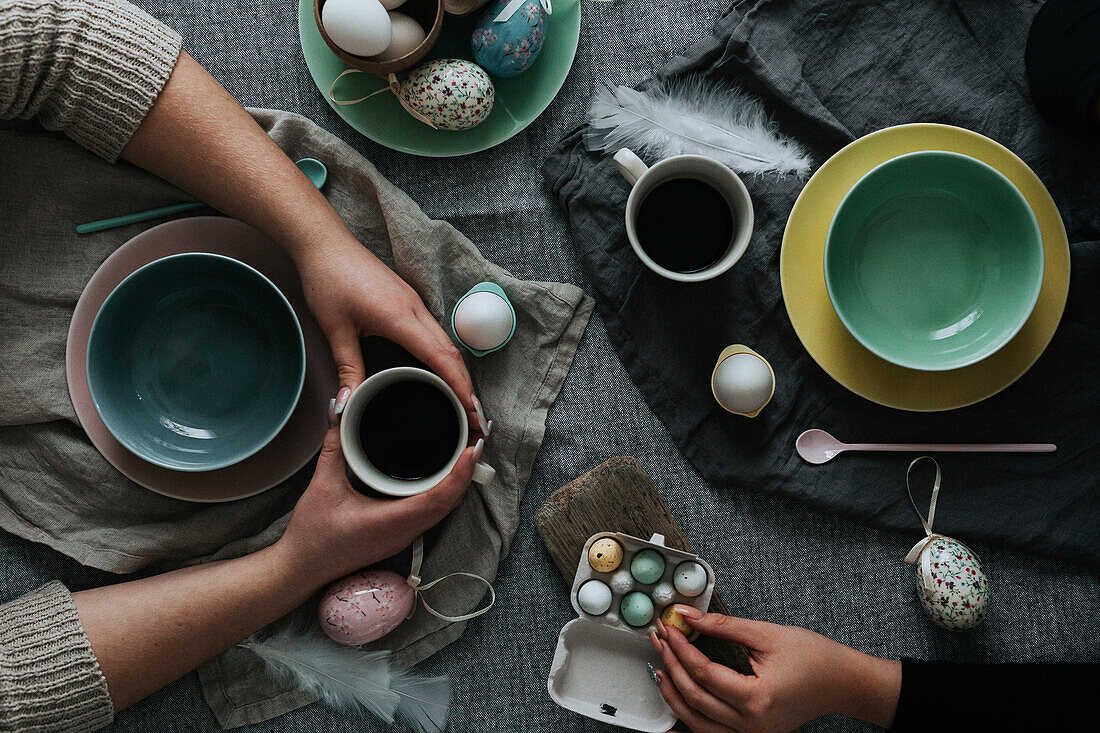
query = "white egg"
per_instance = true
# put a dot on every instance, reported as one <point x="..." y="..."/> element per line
<point x="662" y="594"/>
<point x="483" y="320"/>
<point x="405" y="37"/>
<point x="391" y="4"/>
<point x="360" y="27"/>
<point x="594" y="597"/>
<point x="743" y="383"/>
<point x="690" y="579"/>
<point x="622" y="582"/>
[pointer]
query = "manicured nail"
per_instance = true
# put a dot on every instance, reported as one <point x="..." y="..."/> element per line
<point x="488" y="428"/>
<point x="688" y="611"/>
<point x="333" y="421"/>
<point x="653" y="674"/>
<point x="341" y="400"/>
<point x="653" y="640"/>
<point x="479" y="448"/>
<point x="481" y="421"/>
<point x="661" y="628"/>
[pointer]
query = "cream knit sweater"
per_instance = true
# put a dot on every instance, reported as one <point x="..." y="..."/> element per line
<point x="92" y="69"/>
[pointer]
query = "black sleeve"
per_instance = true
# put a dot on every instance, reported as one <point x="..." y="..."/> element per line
<point x="1063" y="62"/>
<point x="996" y="697"/>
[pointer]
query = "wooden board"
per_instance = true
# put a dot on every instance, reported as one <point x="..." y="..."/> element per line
<point x="619" y="496"/>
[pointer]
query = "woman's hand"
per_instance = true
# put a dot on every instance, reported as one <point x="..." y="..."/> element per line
<point x="335" y="530"/>
<point x="799" y="676"/>
<point x="352" y="294"/>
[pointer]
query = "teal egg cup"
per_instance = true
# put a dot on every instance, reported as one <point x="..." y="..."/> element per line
<point x="933" y="260"/>
<point x="484" y="287"/>
<point x="195" y="362"/>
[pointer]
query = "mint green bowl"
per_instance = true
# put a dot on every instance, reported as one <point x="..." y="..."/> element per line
<point x="933" y="260"/>
<point x="195" y="362"/>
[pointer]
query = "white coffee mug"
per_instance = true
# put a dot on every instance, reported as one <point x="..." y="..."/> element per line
<point x="644" y="179"/>
<point x="353" y="447"/>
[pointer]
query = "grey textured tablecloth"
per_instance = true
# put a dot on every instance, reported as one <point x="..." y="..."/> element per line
<point x="776" y="560"/>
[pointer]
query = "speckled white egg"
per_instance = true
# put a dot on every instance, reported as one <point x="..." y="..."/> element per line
<point x="743" y="383"/>
<point x="690" y="579"/>
<point x="959" y="597"/>
<point x="451" y="93"/>
<point x="365" y="606"/>
<point x="594" y="597"/>
<point x="663" y="594"/>
<point x="622" y="582"/>
<point x="406" y="34"/>
<point x="483" y="320"/>
<point x="360" y="27"/>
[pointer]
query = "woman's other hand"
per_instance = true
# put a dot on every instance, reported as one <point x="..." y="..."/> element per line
<point x="799" y="676"/>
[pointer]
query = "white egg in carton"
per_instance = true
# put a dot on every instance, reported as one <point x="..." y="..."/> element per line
<point x="599" y="668"/>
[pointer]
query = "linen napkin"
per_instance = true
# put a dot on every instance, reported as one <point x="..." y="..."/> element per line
<point x="56" y="489"/>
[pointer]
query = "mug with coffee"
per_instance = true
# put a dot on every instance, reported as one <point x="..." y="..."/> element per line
<point x="688" y="218"/>
<point x="403" y="430"/>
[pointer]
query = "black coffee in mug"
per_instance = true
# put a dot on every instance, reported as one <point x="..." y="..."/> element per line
<point x="409" y="430"/>
<point x="685" y="225"/>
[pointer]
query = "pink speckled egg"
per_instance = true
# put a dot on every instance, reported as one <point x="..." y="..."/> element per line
<point x="365" y="606"/>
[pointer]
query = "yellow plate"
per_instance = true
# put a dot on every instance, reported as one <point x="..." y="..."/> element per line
<point x="801" y="272"/>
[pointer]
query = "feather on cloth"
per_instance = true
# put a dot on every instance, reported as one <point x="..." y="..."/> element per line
<point x="353" y="680"/>
<point x="693" y="115"/>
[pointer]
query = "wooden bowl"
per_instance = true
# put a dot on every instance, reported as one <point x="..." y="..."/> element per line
<point x="428" y="13"/>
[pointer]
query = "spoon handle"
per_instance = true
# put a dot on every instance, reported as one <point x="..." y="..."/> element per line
<point x="121" y="221"/>
<point x="956" y="447"/>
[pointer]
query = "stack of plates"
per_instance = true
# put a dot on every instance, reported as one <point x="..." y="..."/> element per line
<point x="833" y="346"/>
<point x="299" y="439"/>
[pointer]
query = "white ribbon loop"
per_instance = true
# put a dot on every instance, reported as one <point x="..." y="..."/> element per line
<point x="414" y="580"/>
<point x="511" y="8"/>
<point x="918" y="551"/>
<point x="394" y="86"/>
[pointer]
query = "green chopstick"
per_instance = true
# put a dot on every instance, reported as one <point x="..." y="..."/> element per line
<point x="121" y="221"/>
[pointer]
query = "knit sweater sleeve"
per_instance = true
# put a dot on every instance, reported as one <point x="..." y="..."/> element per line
<point x="90" y="68"/>
<point x="49" y="677"/>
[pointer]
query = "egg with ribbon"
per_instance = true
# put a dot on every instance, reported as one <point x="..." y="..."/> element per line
<point x="449" y="94"/>
<point x="365" y="606"/>
<point x="955" y="593"/>
<point x="509" y="36"/>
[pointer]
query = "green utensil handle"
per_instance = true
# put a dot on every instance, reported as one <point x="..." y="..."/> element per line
<point x="119" y="221"/>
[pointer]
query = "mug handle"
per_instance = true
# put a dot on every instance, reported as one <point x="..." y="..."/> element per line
<point x="630" y="165"/>
<point x="483" y="473"/>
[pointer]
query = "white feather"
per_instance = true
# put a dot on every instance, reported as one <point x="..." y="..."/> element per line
<point x="353" y="680"/>
<point x="693" y="115"/>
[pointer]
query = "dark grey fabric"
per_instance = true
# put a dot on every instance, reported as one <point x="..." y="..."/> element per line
<point x="776" y="560"/>
<point x="831" y="71"/>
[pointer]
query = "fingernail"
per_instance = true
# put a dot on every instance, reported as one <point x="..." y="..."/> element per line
<point x="481" y="421"/>
<point x="332" y="421"/>
<point x="488" y="428"/>
<point x="653" y="674"/>
<point x="661" y="627"/>
<point x="653" y="640"/>
<point x="479" y="448"/>
<point x="341" y="400"/>
<point x="688" y="611"/>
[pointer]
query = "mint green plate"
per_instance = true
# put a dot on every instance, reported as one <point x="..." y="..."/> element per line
<point x="933" y="260"/>
<point x="519" y="100"/>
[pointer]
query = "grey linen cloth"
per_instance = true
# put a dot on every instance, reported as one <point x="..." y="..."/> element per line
<point x="56" y="489"/>
<point x="830" y="71"/>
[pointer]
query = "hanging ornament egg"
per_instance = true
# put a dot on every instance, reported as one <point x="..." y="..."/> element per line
<point x="365" y="606"/>
<point x="450" y="93"/>
<point x="508" y="48"/>
<point x="959" y="596"/>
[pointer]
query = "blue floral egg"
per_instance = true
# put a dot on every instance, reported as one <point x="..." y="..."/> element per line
<point x="507" y="49"/>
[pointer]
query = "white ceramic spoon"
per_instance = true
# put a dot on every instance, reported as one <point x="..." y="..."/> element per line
<point x="817" y="447"/>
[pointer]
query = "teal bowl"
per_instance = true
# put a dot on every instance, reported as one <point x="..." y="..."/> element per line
<point x="195" y="362"/>
<point x="933" y="260"/>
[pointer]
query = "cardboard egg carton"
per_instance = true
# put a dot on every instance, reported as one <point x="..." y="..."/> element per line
<point x="599" y="668"/>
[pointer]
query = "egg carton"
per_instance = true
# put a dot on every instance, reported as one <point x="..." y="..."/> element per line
<point x="599" y="668"/>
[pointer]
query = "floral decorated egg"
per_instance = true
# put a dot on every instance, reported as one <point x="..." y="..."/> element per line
<point x="452" y="94"/>
<point x="365" y="606"/>
<point x="959" y="597"/>
<point x="506" y="49"/>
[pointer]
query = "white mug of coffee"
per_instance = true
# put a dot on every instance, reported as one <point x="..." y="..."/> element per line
<point x="403" y="430"/>
<point x="688" y="218"/>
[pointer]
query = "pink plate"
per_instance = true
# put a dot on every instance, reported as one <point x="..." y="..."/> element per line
<point x="298" y="441"/>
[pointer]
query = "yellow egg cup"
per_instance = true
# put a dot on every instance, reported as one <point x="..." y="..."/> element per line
<point x="727" y="353"/>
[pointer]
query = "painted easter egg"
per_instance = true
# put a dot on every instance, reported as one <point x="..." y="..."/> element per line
<point x="509" y="48"/>
<point x="365" y="606"/>
<point x="453" y="94"/>
<point x="959" y="597"/>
